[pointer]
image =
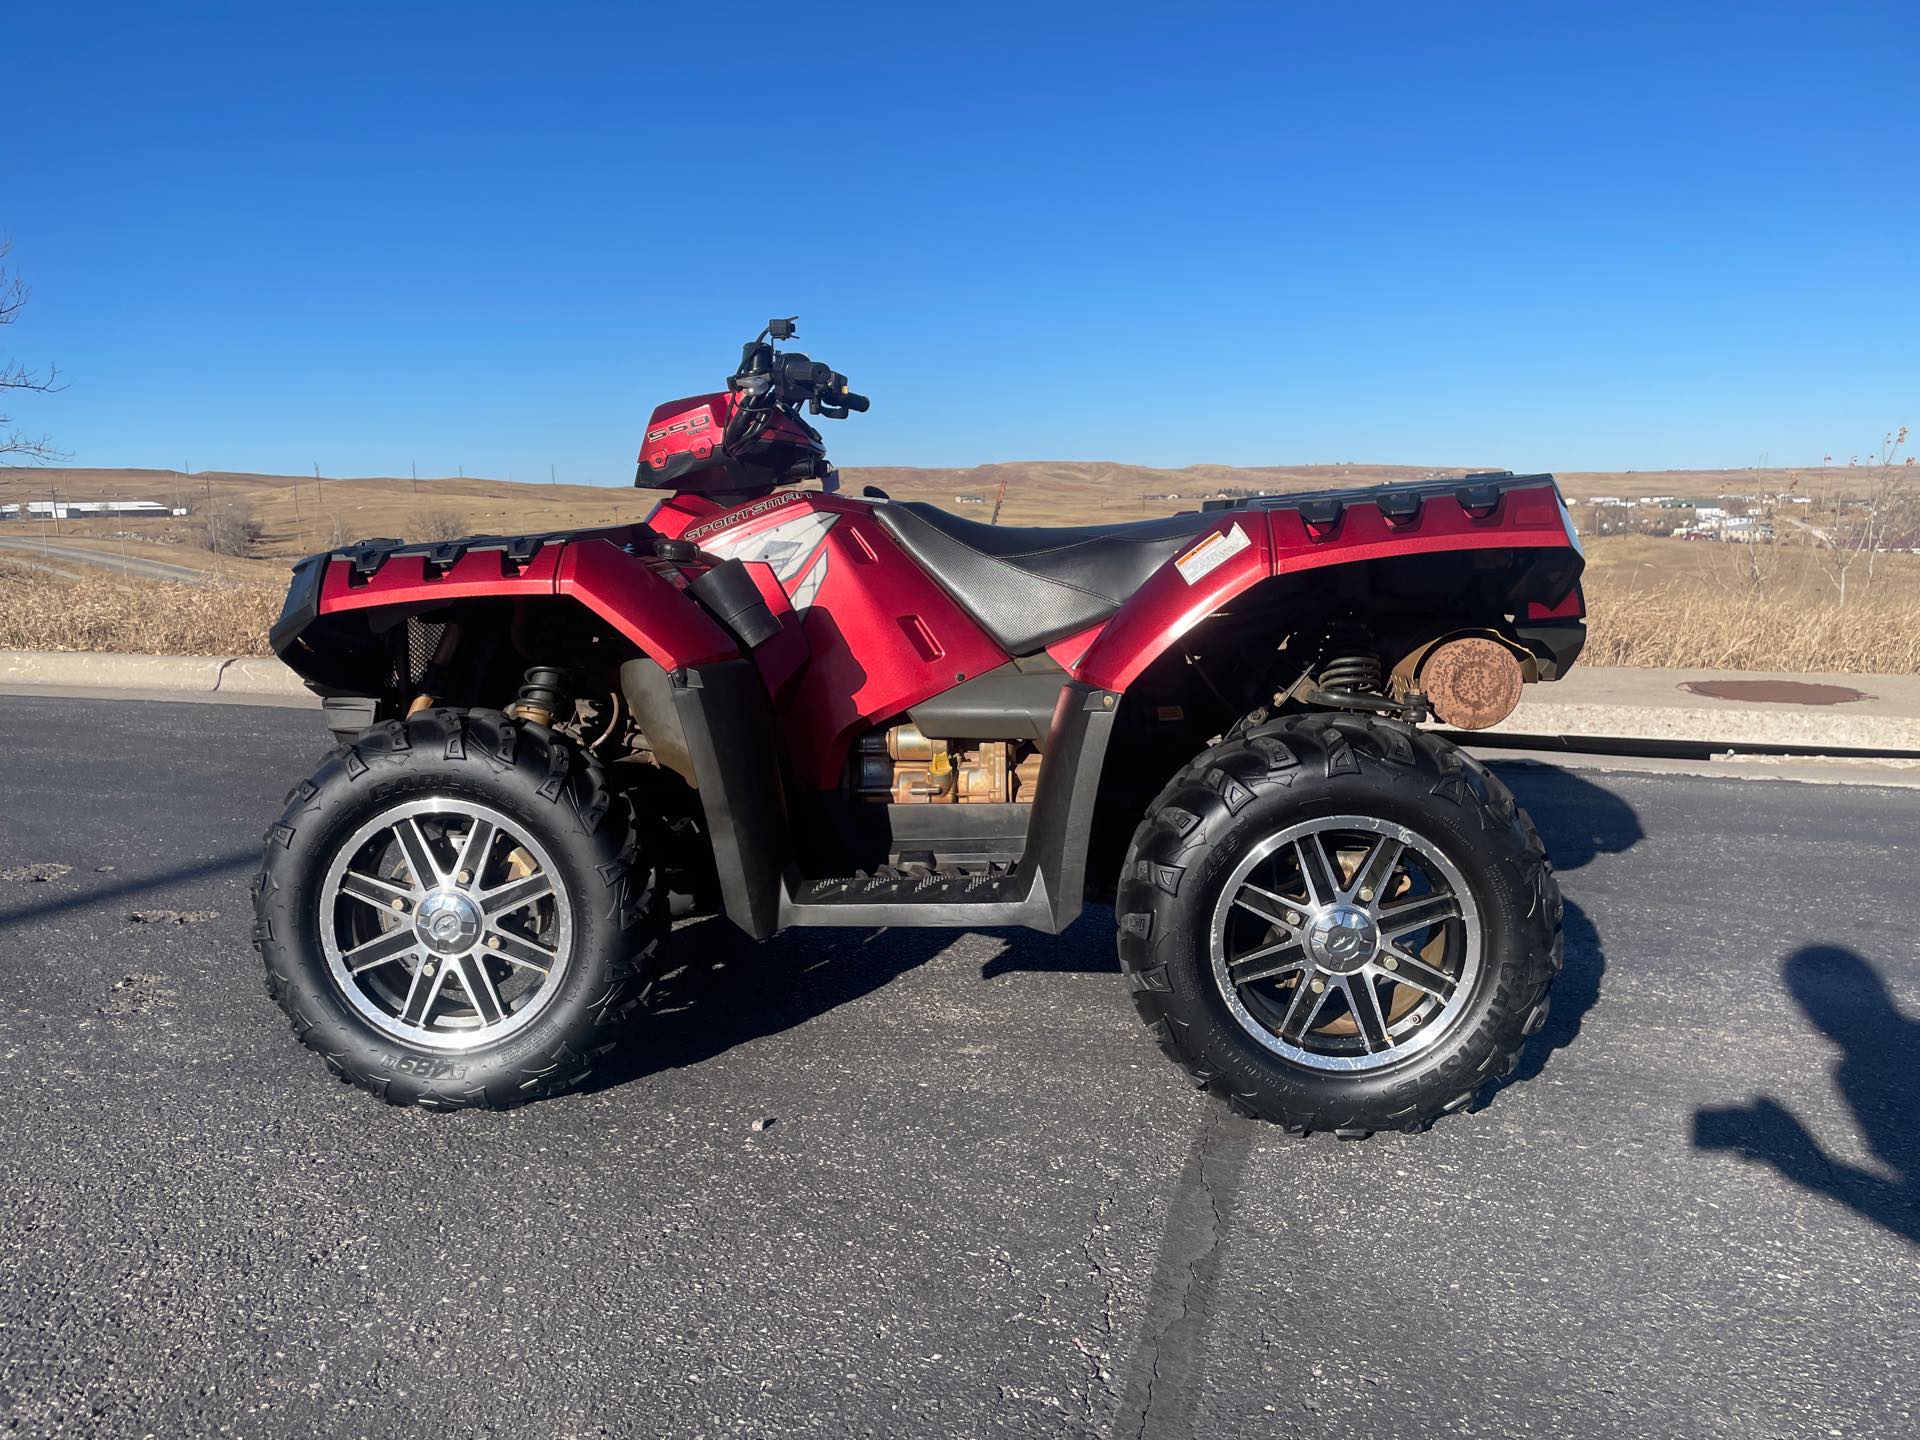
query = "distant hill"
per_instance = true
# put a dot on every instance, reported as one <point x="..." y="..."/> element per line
<point x="297" y="514"/>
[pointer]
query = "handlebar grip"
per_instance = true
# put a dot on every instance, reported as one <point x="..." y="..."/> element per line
<point x="850" y="401"/>
<point x="801" y="376"/>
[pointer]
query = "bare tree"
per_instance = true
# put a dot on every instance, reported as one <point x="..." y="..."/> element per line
<point x="15" y="374"/>
<point x="230" y="529"/>
<point x="1870" y="521"/>
<point x="438" y="525"/>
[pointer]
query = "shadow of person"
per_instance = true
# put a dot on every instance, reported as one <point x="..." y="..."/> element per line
<point x="1879" y="1062"/>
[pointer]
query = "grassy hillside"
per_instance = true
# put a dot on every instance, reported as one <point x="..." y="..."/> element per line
<point x="1654" y="600"/>
<point x="295" y="515"/>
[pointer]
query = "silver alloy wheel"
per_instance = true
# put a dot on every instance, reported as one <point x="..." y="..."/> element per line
<point x="445" y="924"/>
<point x="1346" y="943"/>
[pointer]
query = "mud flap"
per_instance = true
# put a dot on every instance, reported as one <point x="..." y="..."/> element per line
<point x="1061" y="832"/>
<point x="727" y="723"/>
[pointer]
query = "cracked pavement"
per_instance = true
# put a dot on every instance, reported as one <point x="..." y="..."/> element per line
<point x="986" y="1206"/>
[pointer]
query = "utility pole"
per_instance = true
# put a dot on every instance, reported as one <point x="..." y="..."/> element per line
<point x="414" y="466"/>
<point x="550" y="477"/>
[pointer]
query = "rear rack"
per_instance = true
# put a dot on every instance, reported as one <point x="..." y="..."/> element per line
<point x="1478" y="494"/>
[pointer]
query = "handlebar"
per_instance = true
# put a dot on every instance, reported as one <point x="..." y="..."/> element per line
<point x="790" y="380"/>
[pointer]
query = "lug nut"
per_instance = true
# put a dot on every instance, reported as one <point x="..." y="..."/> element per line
<point x="1293" y="917"/>
<point x="1390" y="963"/>
<point x="1366" y="892"/>
<point x="398" y="903"/>
<point x="466" y="877"/>
<point x="1319" y="986"/>
<point x="493" y="942"/>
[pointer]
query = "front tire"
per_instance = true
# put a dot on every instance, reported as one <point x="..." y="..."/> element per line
<point x="452" y="912"/>
<point x="1337" y="922"/>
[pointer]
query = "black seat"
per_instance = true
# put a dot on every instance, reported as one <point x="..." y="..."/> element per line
<point x="1030" y="587"/>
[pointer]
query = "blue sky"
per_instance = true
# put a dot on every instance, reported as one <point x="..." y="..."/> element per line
<point x="1540" y="236"/>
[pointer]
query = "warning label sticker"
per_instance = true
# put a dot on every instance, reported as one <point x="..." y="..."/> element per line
<point x="1211" y="553"/>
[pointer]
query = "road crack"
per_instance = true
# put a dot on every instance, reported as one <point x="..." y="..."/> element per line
<point x="1170" y="1360"/>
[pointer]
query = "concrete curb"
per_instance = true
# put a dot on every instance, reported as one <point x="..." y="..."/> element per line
<point x="1593" y="703"/>
<point x="1625" y="704"/>
<point x="199" y="674"/>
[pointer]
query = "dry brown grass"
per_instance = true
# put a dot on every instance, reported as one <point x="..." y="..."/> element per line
<point x="1678" y="625"/>
<point x="39" y="611"/>
<point x="1652" y="602"/>
<point x="1658" y="602"/>
<point x="1674" y="624"/>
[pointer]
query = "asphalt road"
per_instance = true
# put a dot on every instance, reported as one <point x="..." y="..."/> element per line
<point x="58" y="557"/>
<point x="985" y="1205"/>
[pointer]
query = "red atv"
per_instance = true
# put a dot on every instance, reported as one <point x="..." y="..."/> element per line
<point x="799" y="708"/>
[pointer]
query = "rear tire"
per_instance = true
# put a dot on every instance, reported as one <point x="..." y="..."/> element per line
<point x="1306" y="1048"/>
<point x="391" y="918"/>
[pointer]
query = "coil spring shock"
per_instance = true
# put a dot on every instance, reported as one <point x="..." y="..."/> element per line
<point x="1349" y="675"/>
<point x="1349" y="664"/>
<point x="544" y="697"/>
<point x="1353" y="674"/>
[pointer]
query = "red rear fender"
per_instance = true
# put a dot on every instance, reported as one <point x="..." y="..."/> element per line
<point x="1284" y="535"/>
<point x="1233" y="556"/>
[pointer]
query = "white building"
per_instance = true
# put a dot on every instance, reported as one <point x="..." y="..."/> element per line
<point x="75" y="509"/>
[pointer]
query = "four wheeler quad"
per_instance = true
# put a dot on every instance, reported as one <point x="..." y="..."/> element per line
<point x="799" y="708"/>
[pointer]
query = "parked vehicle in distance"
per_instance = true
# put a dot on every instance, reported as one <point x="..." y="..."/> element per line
<point x="796" y="707"/>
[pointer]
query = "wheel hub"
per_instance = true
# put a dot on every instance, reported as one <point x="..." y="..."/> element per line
<point x="444" y="923"/>
<point x="1345" y="942"/>
<point x="448" y="923"/>
<point x="1342" y="939"/>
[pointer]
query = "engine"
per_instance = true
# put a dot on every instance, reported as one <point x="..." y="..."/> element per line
<point x="902" y="766"/>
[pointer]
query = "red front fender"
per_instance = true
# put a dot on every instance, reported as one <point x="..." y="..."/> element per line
<point x="630" y="596"/>
<point x="624" y="589"/>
